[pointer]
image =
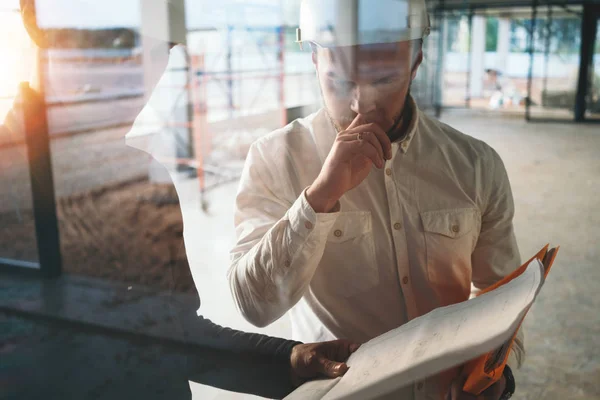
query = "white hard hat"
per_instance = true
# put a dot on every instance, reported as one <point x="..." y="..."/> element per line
<point x="331" y="23"/>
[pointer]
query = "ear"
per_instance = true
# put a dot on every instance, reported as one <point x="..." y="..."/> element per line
<point x="417" y="63"/>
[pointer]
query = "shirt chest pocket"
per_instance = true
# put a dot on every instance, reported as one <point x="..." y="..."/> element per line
<point x="450" y="239"/>
<point x="348" y="266"/>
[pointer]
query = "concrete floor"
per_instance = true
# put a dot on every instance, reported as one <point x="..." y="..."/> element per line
<point x="47" y="361"/>
<point x="555" y="175"/>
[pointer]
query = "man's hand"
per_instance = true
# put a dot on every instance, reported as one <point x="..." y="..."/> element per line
<point x="326" y="359"/>
<point x="492" y="393"/>
<point x="349" y="162"/>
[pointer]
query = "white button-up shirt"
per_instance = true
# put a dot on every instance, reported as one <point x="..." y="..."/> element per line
<point x="430" y="228"/>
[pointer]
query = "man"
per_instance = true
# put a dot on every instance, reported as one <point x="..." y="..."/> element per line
<point x="369" y="213"/>
<point x="261" y="365"/>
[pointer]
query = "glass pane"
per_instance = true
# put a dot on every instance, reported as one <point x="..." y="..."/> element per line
<point x="593" y="97"/>
<point x="493" y="67"/>
<point x="196" y="109"/>
<point x="500" y="81"/>
<point x="17" y="232"/>
<point x="456" y="61"/>
<point x="119" y="219"/>
<point x="555" y="64"/>
<point x="505" y="64"/>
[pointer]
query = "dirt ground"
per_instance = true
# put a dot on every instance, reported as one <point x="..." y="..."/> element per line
<point x="113" y="222"/>
<point x="130" y="232"/>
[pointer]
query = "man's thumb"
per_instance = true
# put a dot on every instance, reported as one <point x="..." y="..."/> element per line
<point x="331" y="369"/>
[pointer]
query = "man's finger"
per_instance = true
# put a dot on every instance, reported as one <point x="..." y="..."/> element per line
<point x="358" y="121"/>
<point x="370" y="137"/>
<point x="331" y="369"/>
<point x="456" y="392"/>
<point x="376" y="130"/>
<point x="365" y="149"/>
<point x="379" y="121"/>
<point x="342" y="349"/>
<point x="455" y="389"/>
<point x="386" y="143"/>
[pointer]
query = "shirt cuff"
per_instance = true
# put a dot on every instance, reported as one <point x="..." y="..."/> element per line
<point x="304" y="220"/>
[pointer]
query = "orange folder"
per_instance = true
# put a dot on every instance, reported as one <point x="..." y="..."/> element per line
<point x="487" y="369"/>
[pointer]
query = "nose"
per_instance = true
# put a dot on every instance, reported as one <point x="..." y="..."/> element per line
<point x="363" y="100"/>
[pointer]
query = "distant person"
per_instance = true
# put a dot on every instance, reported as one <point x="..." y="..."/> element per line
<point x="369" y="213"/>
<point x="262" y="365"/>
<point x="497" y="97"/>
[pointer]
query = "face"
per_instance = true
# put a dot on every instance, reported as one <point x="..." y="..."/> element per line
<point x="371" y="80"/>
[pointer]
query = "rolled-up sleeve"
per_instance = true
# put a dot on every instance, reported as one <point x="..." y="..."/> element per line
<point x="496" y="253"/>
<point x="280" y="242"/>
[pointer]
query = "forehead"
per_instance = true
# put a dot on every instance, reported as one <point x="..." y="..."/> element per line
<point x="374" y="59"/>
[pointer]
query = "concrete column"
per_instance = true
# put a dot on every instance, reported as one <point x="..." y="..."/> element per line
<point x="442" y="51"/>
<point x="165" y="94"/>
<point x="477" y="55"/>
<point x="503" y="49"/>
<point x="162" y="22"/>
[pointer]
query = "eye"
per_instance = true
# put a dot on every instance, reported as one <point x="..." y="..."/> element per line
<point x="342" y="84"/>
<point x="385" y="81"/>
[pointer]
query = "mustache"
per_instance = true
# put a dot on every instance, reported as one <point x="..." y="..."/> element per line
<point x="348" y="119"/>
<point x="345" y="120"/>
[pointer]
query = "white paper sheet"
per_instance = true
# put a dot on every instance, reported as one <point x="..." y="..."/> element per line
<point x="313" y="389"/>
<point x="442" y="339"/>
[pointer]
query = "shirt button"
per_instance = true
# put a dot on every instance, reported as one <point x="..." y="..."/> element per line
<point x="420" y="386"/>
<point x="287" y="263"/>
<point x="455" y="228"/>
<point x="388" y="171"/>
<point x="405" y="280"/>
<point x="397" y="226"/>
<point x="308" y="225"/>
<point x="338" y="233"/>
